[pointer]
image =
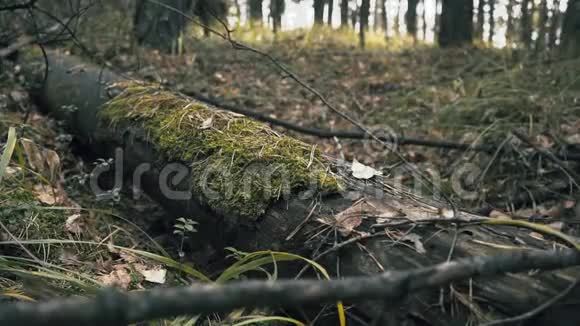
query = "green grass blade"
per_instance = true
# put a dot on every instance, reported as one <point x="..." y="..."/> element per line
<point x="266" y="320"/>
<point x="10" y="144"/>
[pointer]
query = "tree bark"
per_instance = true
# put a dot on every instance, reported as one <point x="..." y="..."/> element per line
<point x="397" y="22"/>
<point x="364" y="21"/>
<point x="509" y="34"/>
<point x="318" y="6"/>
<point x="157" y="27"/>
<point x="384" y="17"/>
<point x="555" y="23"/>
<point x="289" y="224"/>
<point x="526" y="23"/>
<point x="491" y="21"/>
<point x="571" y="30"/>
<point x="411" y="18"/>
<point x="255" y="15"/>
<point x="456" y="23"/>
<point x="277" y="8"/>
<point x="330" y="12"/>
<point x="480" y="22"/>
<point x="344" y="13"/>
<point x="542" y="27"/>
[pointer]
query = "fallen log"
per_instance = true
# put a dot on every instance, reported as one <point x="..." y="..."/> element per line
<point x="254" y="189"/>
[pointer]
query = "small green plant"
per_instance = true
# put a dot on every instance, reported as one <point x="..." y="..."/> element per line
<point x="184" y="227"/>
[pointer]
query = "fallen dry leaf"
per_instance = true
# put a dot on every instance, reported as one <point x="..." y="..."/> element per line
<point x="361" y="171"/>
<point x="350" y="218"/>
<point x="49" y="195"/>
<point x="415" y="239"/>
<point x="74" y="224"/>
<point x="156" y="275"/>
<point x="119" y="278"/>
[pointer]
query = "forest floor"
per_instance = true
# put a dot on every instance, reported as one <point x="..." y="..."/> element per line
<point x="471" y="96"/>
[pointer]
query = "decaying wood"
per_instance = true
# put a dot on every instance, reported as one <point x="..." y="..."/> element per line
<point x="73" y="83"/>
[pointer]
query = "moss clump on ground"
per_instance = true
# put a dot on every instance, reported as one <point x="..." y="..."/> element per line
<point x="239" y="166"/>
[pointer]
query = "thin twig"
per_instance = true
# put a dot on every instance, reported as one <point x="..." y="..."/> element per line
<point x="538" y="310"/>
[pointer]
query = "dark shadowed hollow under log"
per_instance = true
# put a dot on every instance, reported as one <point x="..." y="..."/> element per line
<point x="105" y="116"/>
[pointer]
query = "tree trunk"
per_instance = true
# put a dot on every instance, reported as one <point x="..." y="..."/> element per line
<point x="438" y="8"/>
<point x="571" y="30"/>
<point x="526" y="23"/>
<point x="344" y="13"/>
<point x="330" y="12"/>
<point x="377" y="16"/>
<point x="456" y="23"/>
<point x="318" y="6"/>
<point x="542" y="27"/>
<point x="255" y="13"/>
<point x="480" y="22"/>
<point x="384" y="17"/>
<point x="555" y="22"/>
<point x="424" y="18"/>
<point x="509" y="34"/>
<point x="277" y="8"/>
<point x="397" y="21"/>
<point x="157" y="27"/>
<point x="411" y="18"/>
<point x="290" y="223"/>
<point x="364" y="21"/>
<point x="354" y="16"/>
<point x="491" y="21"/>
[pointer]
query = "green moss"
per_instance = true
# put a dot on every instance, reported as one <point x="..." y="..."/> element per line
<point x="239" y="166"/>
<point x="22" y="214"/>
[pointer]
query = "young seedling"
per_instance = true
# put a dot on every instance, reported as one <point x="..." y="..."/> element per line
<point x="184" y="227"/>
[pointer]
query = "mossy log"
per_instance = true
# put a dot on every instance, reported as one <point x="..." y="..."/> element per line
<point x="157" y="127"/>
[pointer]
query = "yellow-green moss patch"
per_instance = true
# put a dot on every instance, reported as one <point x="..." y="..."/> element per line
<point x="239" y="166"/>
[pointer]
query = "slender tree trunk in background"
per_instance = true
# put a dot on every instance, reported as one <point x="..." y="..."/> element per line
<point x="364" y="21"/>
<point x="438" y="9"/>
<point x="255" y="13"/>
<point x="384" y="17"/>
<point x="555" y="22"/>
<point x="277" y="8"/>
<point x="330" y="12"/>
<point x="344" y="13"/>
<point x="570" y="46"/>
<point x="456" y="23"/>
<point x="202" y="10"/>
<point x="542" y="27"/>
<point x="397" y="26"/>
<point x="526" y="23"/>
<point x="411" y="18"/>
<point x="491" y="21"/>
<point x="509" y="34"/>
<point x="480" y="22"/>
<point x="424" y="18"/>
<point x="377" y="15"/>
<point x="157" y="27"/>
<point x="318" y="12"/>
<point x="354" y="16"/>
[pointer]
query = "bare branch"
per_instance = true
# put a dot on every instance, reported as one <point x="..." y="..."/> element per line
<point x="111" y="307"/>
<point x="27" y="5"/>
